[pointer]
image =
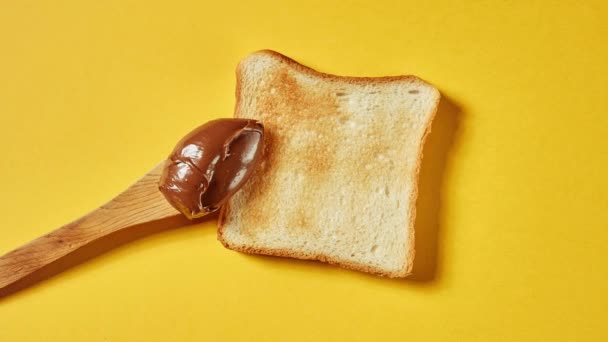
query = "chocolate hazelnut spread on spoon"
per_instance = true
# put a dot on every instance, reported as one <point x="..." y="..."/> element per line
<point x="210" y="164"/>
<point x="206" y="167"/>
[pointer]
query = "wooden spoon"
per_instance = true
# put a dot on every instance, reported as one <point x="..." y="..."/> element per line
<point x="142" y="202"/>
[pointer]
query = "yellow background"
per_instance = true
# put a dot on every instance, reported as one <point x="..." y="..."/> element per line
<point x="513" y="214"/>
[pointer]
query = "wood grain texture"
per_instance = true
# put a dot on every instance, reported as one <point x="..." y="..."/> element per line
<point x="140" y="203"/>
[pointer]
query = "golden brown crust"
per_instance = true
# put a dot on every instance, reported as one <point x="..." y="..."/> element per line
<point x="350" y="79"/>
<point x="304" y="256"/>
<point x="414" y="196"/>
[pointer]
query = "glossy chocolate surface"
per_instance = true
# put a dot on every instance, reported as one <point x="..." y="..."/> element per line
<point x="210" y="164"/>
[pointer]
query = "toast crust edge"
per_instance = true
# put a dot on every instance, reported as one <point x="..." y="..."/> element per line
<point x="407" y="270"/>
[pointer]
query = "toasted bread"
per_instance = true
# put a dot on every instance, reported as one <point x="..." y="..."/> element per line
<point x="339" y="179"/>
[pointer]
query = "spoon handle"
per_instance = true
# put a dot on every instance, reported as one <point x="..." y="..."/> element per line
<point x="142" y="202"/>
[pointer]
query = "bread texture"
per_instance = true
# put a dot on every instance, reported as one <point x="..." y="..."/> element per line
<point x="341" y="160"/>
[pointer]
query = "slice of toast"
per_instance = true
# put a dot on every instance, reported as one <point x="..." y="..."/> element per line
<point x="341" y="159"/>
